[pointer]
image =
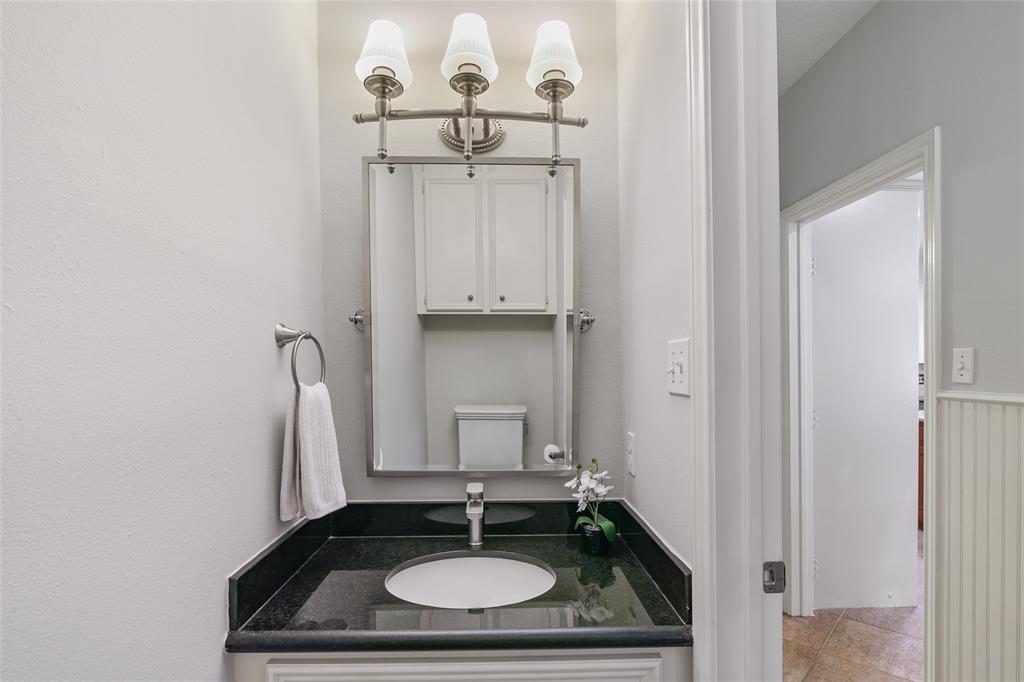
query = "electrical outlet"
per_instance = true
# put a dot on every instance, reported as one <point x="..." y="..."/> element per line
<point x="678" y="369"/>
<point x="963" y="365"/>
<point x="631" y="453"/>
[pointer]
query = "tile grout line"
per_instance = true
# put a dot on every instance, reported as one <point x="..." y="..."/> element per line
<point x="882" y="627"/>
<point x="817" y="652"/>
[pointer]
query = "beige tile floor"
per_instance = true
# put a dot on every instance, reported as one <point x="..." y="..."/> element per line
<point x="858" y="644"/>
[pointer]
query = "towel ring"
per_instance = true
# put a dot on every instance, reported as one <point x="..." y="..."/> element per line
<point x="284" y="335"/>
<point x="295" y="355"/>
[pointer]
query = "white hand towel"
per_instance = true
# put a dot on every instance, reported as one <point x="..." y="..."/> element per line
<point x="290" y="503"/>
<point x="311" y="483"/>
<point x="320" y="487"/>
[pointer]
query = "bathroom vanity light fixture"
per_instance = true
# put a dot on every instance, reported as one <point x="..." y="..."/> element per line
<point x="470" y="68"/>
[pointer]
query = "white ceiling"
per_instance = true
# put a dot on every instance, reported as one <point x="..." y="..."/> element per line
<point x="808" y="29"/>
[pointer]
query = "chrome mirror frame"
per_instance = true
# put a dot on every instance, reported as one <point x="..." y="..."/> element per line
<point x="364" y="317"/>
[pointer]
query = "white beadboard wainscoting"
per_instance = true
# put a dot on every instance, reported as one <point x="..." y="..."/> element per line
<point x="978" y="560"/>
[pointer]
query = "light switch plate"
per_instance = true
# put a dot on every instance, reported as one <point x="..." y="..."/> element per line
<point x="963" y="365"/>
<point x="631" y="453"/>
<point x="677" y="372"/>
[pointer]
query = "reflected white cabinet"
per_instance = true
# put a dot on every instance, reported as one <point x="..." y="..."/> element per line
<point x="486" y="244"/>
<point x="449" y="240"/>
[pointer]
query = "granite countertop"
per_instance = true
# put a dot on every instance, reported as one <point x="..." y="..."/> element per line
<point x="336" y="600"/>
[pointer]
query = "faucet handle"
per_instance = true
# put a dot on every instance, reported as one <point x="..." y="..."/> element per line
<point x="475" y="489"/>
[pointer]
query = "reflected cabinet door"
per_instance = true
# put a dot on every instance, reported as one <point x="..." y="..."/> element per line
<point x="486" y="244"/>
<point x="519" y="216"/>
<point x="449" y="238"/>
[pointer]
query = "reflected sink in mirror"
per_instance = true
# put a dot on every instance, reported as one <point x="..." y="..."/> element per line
<point x="473" y="579"/>
<point x="455" y="514"/>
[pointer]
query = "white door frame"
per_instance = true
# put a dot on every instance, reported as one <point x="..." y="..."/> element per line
<point x="919" y="154"/>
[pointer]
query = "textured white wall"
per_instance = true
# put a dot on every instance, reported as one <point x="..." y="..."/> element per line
<point x="908" y="66"/>
<point x="655" y="237"/>
<point x="161" y="213"/>
<point x="512" y="25"/>
<point x="864" y="345"/>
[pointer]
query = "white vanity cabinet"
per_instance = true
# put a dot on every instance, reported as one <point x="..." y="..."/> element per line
<point x="484" y="244"/>
<point x="583" y="665"/>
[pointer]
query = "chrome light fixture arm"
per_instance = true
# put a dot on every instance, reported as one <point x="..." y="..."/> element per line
<point x="463" y="122"/>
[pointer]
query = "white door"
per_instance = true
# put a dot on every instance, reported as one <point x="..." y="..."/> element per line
<point x="519" y="216"/>
<point x="452" y="249"/>
<point x="864" y="313"/>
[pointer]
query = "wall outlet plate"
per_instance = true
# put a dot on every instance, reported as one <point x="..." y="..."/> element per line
<point x="677" y="372"/>
<point x="631" y="453"/>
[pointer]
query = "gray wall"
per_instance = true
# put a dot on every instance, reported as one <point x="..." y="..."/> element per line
<point x="342" y="28"/>
<point x="161" y="213"/>
<point x="655" y="238"/>
<point x="908" y="66"/>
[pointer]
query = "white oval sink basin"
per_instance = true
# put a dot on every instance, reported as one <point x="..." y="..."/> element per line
<point x="475" y="579"/>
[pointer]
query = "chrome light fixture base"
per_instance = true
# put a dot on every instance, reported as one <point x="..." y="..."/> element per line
<point x="555" y="89"/>
<point x="490" y="134"/>
<point x="382" y="85"/>
<point x="469" y="83"/>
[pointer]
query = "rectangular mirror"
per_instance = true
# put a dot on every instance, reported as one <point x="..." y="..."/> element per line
<point x="469" y="312"/>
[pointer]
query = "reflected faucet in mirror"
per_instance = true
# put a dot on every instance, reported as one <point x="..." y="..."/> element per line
<point x="475" y="514"/>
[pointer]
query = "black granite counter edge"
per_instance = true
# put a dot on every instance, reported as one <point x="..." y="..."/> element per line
<point x="254" y="583"/>
<point x="271" y="641"/>
<point x="664" y="567"/>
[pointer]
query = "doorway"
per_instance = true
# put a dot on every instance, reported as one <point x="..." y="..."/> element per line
<point x="861" y="292"/>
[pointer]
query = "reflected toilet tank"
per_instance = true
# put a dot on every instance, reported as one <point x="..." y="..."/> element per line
<point x="491" y="436"/>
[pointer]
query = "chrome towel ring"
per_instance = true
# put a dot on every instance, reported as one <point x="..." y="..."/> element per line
<point x="284" y="335"/>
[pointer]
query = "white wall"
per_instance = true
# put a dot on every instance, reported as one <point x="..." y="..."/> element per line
<point x="864" y="331"/>
<point x="908" y="66"/>
<point x="655" y="236"/>
<point x="342" y="28"/>
<point x="161" y="213"/>
<point x="400" y="387"/>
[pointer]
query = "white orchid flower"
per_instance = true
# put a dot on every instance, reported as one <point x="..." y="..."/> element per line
<point x="589" y="490"/>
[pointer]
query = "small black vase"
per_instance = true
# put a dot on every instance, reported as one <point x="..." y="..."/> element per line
<point x="593" y="540"/>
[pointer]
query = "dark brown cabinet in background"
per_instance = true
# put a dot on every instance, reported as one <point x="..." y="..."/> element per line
<point x="920" y="474"/>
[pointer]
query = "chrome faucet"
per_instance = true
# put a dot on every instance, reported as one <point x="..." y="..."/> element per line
<point x="475" y="513"/>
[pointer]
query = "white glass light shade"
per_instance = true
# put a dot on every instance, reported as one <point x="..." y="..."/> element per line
<point x="469" y="44"/>
<point x="554" y="51"/>
<point x="384" y="47"/>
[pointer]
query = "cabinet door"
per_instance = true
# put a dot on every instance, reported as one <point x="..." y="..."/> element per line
<point x="449" y="227"/>
<point x="519" y="215"/>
